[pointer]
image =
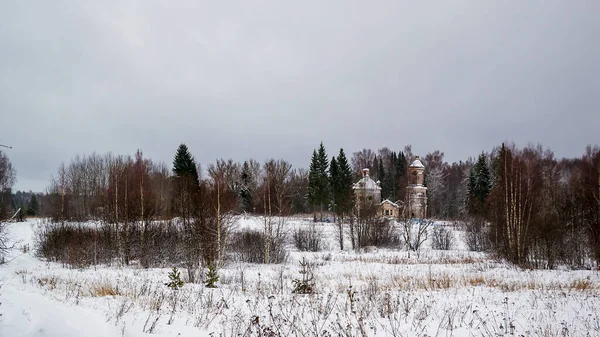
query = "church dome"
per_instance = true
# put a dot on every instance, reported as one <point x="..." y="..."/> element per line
<point x="417" y="163"/>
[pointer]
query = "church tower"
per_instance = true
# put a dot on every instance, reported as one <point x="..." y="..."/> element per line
<point x="417" y="192"/>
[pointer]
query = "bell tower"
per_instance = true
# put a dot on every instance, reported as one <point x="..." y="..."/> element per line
<point x="416" y="190"/>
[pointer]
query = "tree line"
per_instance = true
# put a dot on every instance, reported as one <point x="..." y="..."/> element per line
<point x="521" y="203"/>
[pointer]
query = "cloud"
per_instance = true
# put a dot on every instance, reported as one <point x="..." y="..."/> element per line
<point x="272" y="79"/>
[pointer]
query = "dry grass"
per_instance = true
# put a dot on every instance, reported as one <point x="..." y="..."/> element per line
<point x="582" y="285"/>
<point x="104" y="289"/>
<point x="396" y="260"/>
<point x="48" y="282"/>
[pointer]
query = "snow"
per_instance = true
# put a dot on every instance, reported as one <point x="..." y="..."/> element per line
<point x="417" y="164"/>
<point x="384" y="292"/>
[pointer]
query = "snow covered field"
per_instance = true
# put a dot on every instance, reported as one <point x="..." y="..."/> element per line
<point x="381" y="293"/>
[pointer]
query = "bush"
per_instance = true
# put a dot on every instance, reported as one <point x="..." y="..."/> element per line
<point x="308" y="240"/>
<point x="477" y="236"/>
<point x="249" y="246"/>
<point x="379" y="233"/>
<point x="441" y="238"/>
<point x="82" y="245"/>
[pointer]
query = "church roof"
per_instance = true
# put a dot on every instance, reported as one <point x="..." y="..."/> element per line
<point x="366" y="183"/>
<point x="388" y="201"/>
<point x="417" y="163"/>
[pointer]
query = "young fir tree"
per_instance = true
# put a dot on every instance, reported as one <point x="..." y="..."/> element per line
<point x="212" y="277"/>
<point x="175" y="281"/>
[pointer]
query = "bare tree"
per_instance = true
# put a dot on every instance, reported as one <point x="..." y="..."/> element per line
<point x="361" y="160"/>
<point x="224" y="177"/>
<point x="277" y="197"/>
<point x="414" y="233"/>
<point x="7" y="180"/>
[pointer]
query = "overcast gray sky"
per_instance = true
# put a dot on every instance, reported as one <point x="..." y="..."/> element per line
<point x="261" y="79"/>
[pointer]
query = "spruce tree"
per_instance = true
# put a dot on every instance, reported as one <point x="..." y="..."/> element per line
<point x="185" y="183"/>
<point x="382" y="179"/>
<point x="344" y="191"/>
<point x="245" y="194"/>
<point x="33" y="207"/>
<point x="184" y="164"/>
<point x="313" y="181"/>
<point x="400" y="179"/>
<point x="479" y="186"/>
<point x="318" y="180"/>
<point x="334" y="184"/>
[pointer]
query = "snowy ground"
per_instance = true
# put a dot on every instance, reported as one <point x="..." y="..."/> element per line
<point x="380" y="293"/>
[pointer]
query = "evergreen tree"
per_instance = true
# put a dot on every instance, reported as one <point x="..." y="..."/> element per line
<point x="313" y="180"/>
<point x="375" y="171"/>
<point x="333" y="184"/>
<point x="185" y="184"/>
<point x="184" y="164"/>
<point x="390" y="178"/>
<point x="479" y="186"/>
<point x="400" y="179"/>
<point x="212" y="277"/>
<point x="175" y="281"/>
<point x="33" y="207"/>
<point x="344" y="190"/>
<point x="318" y="180"/>
<point x="245" y="194"/>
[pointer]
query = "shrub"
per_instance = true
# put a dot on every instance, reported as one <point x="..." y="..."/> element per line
<point x="476" y="236"/>
<point x="441" y="238"/>
<point x="377" y="232"/>
<point x="308" y="239"/>
<point x="249" y="246"/>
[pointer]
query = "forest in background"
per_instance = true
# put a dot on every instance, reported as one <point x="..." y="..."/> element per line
<point x="523" y="204"/>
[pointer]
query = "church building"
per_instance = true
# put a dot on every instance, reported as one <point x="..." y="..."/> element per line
<point x="369" y="190"/>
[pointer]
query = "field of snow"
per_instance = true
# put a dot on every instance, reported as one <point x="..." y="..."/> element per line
<point x="385" y="292"/>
